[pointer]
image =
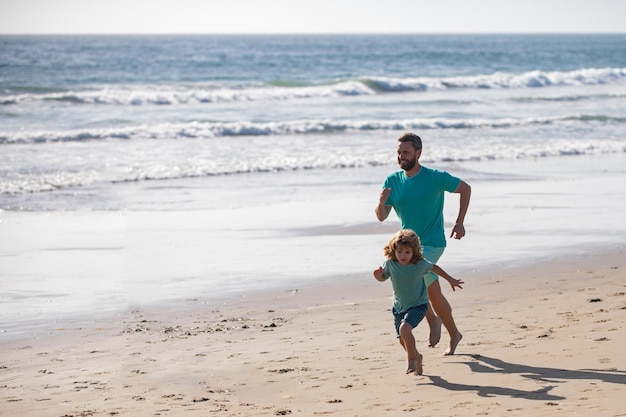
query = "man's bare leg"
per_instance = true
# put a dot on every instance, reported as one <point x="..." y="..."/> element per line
<point x="434" y="323"/>
<point x="444" y="311"/>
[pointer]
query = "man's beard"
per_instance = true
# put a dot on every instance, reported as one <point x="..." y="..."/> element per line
<point x="408" y="165"/>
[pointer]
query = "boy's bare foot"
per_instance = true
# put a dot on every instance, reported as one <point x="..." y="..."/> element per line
<point x="419" y="369"/>
<point x="435" y="333"/>
<point x="415" y="366"/>
<point x="454" y="341"/>
<point x="412" y="367"/>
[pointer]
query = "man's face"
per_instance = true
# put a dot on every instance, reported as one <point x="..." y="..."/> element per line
<point x="407" y="156"/>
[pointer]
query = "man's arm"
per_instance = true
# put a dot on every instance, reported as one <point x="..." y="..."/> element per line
<point x="465" y="191"/>
<point x="382" y="211"/>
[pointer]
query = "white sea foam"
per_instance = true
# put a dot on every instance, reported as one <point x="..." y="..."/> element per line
<point x="178" y="95"/>
<point x="138" y="95"/>
<point x="204" y="130"/>
<point x="103" y="164"/>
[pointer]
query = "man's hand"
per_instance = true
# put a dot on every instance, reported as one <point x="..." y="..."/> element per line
<point x="384" y="195"/>
<point x="458" y="231"/>
<point x="382" y="211"/>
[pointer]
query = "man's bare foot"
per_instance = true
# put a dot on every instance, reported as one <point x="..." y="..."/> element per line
<point x="415" y="366"/>
<point x="454" y="341"/>
<point x="435" y="333"/>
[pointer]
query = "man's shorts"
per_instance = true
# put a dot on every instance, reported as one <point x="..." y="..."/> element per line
<point x="432" y="255"/>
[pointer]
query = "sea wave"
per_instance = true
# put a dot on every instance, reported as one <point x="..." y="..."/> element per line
<point x="532" y="79"/>
<point x="74" y="183"/>
<point x="158" y="95"/>
<point x="206" y="130"/>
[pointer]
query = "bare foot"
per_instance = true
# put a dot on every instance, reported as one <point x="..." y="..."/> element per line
<point x="415" y="366"/>
<point x="419" y="369"/>
<point x="454" y="341"/>
<point x="435" y="333"/>
<point x="412" y="367"/>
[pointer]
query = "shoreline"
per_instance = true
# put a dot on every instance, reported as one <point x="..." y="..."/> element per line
<point x="546" y="338"/>
<point x="60" y="267"/>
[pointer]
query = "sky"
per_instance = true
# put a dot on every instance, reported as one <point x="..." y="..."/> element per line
<point x="310" y="16"/>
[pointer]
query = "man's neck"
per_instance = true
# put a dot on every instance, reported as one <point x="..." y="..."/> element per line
<point x="413" y="171"/>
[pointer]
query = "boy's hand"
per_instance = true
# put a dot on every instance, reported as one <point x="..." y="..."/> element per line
<point x="378" y="274"/>
<point x="455" y="283"/>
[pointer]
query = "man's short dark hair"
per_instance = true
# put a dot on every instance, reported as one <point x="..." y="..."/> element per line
<point x="413" y="138"/>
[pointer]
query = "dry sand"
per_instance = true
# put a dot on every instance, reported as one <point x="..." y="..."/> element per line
<point x="547" y="340"/>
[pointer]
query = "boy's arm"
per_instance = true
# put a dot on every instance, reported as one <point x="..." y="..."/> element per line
<point x="443" y="274"/>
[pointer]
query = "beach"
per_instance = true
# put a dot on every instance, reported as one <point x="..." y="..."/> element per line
<point x="187" y="224"/>
<point x="543" y="329"/>
<point x="541" y="340"/>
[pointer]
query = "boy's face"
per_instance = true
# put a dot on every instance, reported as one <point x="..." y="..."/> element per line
<point x="404" y="254"/>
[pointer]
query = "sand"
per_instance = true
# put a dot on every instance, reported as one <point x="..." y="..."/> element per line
<point x="542" y="340"/>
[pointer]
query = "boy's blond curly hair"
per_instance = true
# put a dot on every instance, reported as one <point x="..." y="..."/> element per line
<point x="408" y="238"/>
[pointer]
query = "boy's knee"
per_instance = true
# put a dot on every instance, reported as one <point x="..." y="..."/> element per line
<point x="405" y="329"/>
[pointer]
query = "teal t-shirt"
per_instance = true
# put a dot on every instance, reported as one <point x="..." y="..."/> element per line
<point x="418" y="202"/>
<point x="409" y="288"/>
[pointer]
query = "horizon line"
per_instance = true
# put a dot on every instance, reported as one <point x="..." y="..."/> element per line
<point x="299" y="33"/>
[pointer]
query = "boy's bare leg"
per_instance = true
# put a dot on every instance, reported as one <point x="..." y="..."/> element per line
<point x="434" y="323"/>
<point x="444" y="311"/>
<point x="413" y="356"/>
<point x="402" y="343"/>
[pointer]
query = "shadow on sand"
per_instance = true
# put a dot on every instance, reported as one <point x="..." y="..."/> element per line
<point x="483" y="364"/>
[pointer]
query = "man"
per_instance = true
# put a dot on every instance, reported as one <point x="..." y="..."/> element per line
<point x="417" y="195"/>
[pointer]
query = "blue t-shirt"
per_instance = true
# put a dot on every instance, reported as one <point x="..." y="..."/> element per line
<point x="418" y="202"/>
<point x="409" y="288"/>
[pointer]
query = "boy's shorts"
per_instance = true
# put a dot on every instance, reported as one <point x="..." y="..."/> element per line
<point x="412" y="316"/>
<point x="432" y="255"/>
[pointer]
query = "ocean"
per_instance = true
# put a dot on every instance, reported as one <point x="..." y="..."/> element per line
<point x="207" y="166"/>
